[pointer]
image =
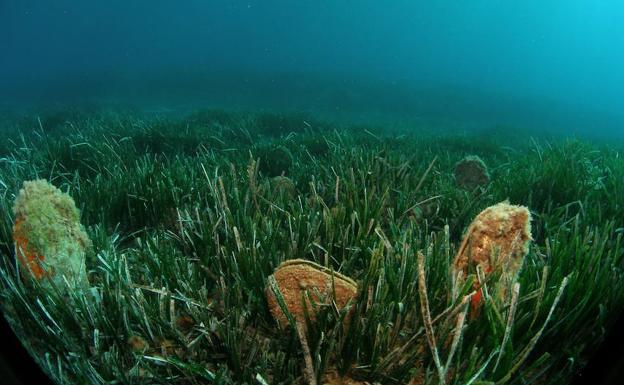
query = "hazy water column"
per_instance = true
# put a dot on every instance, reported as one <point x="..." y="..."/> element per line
<point x="566" y="55"/>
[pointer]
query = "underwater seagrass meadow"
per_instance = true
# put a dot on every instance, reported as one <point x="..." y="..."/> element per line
<point x="263" y="248"/>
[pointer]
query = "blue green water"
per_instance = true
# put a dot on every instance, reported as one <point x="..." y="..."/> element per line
<point x="552" y="65"/>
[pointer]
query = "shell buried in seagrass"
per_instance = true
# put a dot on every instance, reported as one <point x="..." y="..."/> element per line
<point x="497" y="240"/>
<point x="299" y="280"/>
<point x="471" y="172"/>
<point x="49" y="240"/>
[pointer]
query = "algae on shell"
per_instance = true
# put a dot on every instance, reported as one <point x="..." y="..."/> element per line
<point x="49" y="240"/>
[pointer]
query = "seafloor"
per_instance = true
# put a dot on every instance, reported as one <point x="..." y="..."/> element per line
<point x="188" y="217"/>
